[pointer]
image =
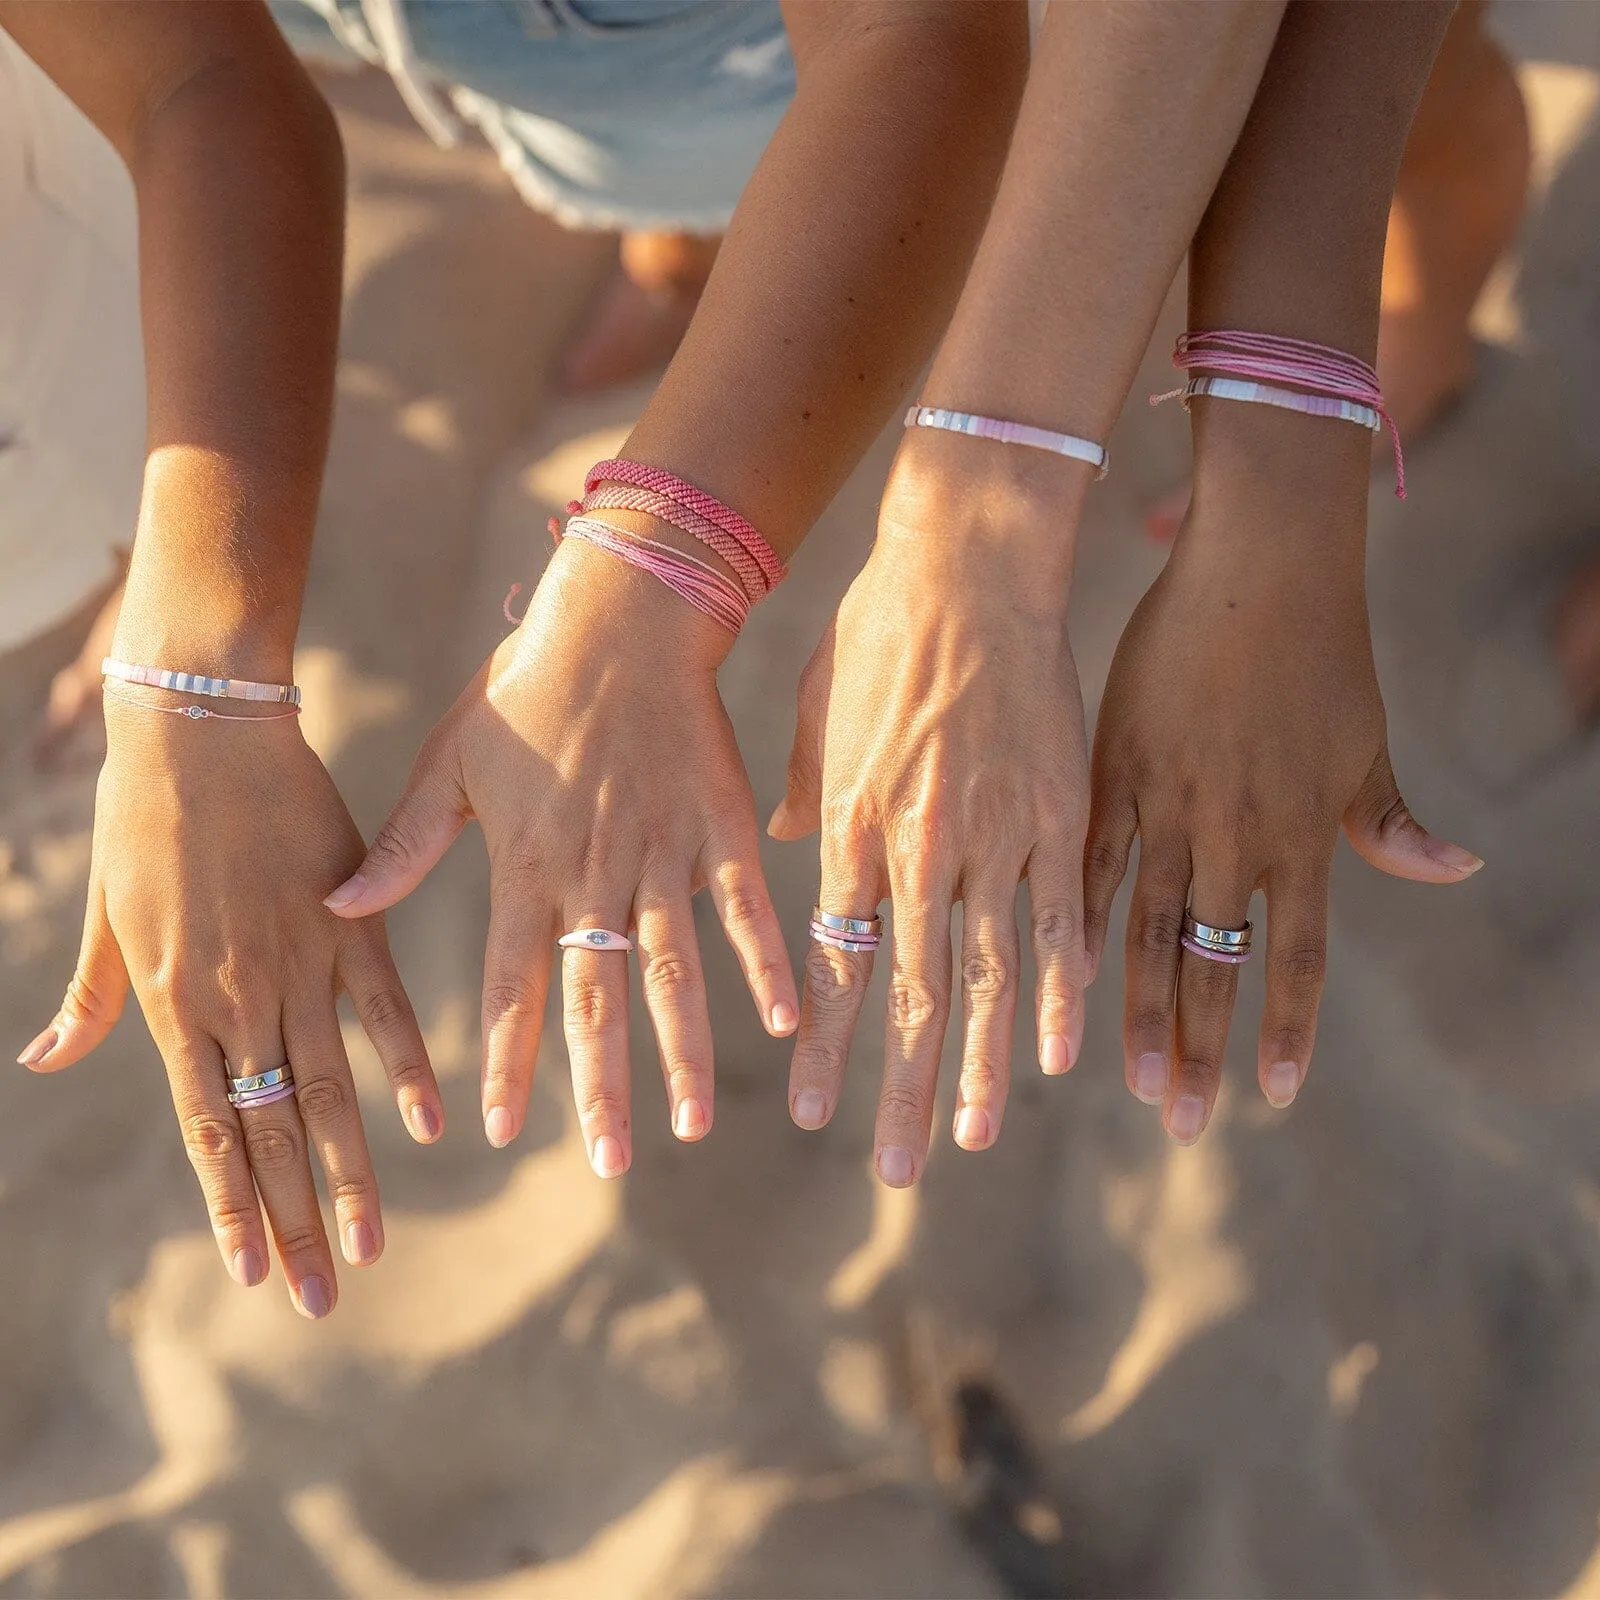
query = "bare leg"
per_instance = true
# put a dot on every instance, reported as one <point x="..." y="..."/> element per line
<point x="644" y="312"/>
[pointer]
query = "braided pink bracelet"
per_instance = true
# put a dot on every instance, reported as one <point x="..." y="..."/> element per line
<point x="1336" y="383"/>
<point x="638" y="476"/>
<point x="702" y="586"/>
<point x="622" y="497"/>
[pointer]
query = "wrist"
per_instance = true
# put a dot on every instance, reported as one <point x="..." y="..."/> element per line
<point x="160" y="625"/>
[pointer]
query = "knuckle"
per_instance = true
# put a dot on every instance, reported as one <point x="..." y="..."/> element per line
<point x="229" y="1220"/>
<point x="303" y="1240"/>
<point x="833" y="977"/>
<point x="81" y="1003"/>
<point x="592" y="1008"/>
<point x="847" y="825"/>
<point x="913" y="1002"/>
<point x="348" y="1191"/>
<point x="1104" y="861"/>
<point x="506" y="996"/>
<point x="685" y="1078"/>
<point x="980" y="1077"/>
<point x="903" y="1104"/>
<point x="1156" y="931"/>
<point x="1211" y="985"/>
<point x="1291" y="1044"/>
<point x="605" y="1108"/>
<point x="385" y="1010"/>
<point x="272" y="1146"/>
<point x="209" y="1139"/>
<point x="670" y="973"/>
<point x="1149" y="1022"/>
<point x="1301" y="965"/>
<point x="1056" y="929"/>
<point x="324" y="1099"/>
<point x="745" y="908"/>
<point x="986" y="975"/>
<point x="922" y="833"/>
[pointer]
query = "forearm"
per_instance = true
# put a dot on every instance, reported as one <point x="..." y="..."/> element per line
<point x="1292" y="242"/>
<point x="844" y="258"/>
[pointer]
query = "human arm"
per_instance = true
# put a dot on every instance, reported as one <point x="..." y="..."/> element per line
<point x="1242" y="721"/>
<point x="593" y="747"/>
<point x="215" y="841"/>
<point x="953" y="761"/>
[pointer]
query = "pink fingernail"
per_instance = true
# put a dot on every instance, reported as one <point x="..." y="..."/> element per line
<point x="314" y="1299"/>
<point x="689" y="1120"/>
<point x="1282" y="1083"/>
<point x="247" y="1266"/>
<point x="1053" y="1057"/>
<point x="360" y="1244"/>
<point x="810" y="1110"/>
<point x="1150" y="1078"/>
<point x="1453" y="857"/>
<point x="424" y="1123"/>
<point x="347" y="893"/>
<point x="499" y="1127"/>
<point x="972" y="1128"/>
<point x="1186" y="1118"/>
<point x="895" y="1166"/>
<point x="784" y="1019"/>
<point x="606" y="1157"/>
<point x="39" y="1049"/>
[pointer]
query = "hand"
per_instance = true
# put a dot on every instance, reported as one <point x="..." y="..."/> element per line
<point x="941" y="749"/>
<point x="1241" y="724"/>
<point x="595" y="751"/>
<point x="213" y="845"/>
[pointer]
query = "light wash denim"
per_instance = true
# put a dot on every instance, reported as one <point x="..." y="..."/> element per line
<point x="606" y="113"/>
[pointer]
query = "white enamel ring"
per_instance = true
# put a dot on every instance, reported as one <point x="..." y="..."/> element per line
<point x="594" y="939"/>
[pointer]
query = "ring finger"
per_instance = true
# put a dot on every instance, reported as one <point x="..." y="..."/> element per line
<point x="594" y="985"/>
<point x="989" y="961"/>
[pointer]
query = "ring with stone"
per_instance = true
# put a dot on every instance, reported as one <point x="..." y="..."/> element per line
<point x="594" y="939"/>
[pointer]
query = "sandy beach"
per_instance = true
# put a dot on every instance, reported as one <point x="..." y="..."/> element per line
<point x="1348" y="1350"/>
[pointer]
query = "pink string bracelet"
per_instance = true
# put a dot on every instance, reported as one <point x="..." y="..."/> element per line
<point x="638" y="476"/>
<point x="623" y="497"/>
<point x="200" y="713"/>
<point x="1061" y="444"/>
<point x="1327" y="382"/>
<point x="705" y="589"/>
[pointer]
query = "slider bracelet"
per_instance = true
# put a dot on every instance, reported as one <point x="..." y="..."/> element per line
<point x="198" y="683"/>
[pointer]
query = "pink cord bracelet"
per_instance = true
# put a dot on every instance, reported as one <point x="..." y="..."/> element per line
<point x="702" y="586"/>
<point x="1327" y="382"/>
<point x="623" y="497"/>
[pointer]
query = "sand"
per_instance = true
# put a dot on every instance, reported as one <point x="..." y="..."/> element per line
<point x="1349" y="1350"/>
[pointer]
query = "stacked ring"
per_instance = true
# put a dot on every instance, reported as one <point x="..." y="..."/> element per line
<point x="261" y="1088"/>
<point x="1216" y="944"/>
<point x="855" y="934"/>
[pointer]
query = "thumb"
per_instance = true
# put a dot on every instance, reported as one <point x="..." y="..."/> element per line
<point x="94" y="999"/>
<point x="1385" y="834"/>
<point x="422" y="826"/>
<point x="800" y="810"/>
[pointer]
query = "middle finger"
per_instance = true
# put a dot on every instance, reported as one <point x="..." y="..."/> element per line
<point x="594" y="987"/>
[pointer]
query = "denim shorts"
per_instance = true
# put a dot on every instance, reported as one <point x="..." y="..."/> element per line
<point x="605" y="113"/>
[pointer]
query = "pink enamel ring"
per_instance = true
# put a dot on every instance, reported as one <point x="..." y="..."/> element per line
<point x="594" y="939"/>
<point x="1231" y="945"/>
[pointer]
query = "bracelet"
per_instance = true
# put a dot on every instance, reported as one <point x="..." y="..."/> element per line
<point x="196" y="683"/>
<point x="702" y="586"/>
<point x="1061" y="444"/>
<point x="624" y="497"/>
<point x="1264" y="394"/>
<point x="200" y="713"/>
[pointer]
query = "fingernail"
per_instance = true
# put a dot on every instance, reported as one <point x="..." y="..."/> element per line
<point x="689" y="1120"/>
<point x="315" y="1300"/>
<point x="1053" y="1057"/>
<point x="1186" y="1118"/>
<point x="360" y="1244"/>
<point x="606" y="1157"/>
<point x="972" y="1129"/>
<point x="1283" y="1083"/>
<point x="347" y="893"/>
<point x="1453" y="857"/>
<point x="776" y="821"/>
<point x="424" y="1123"/>
<point x="39" y="1049"/>
<point x="247" y="1267"/>
<point x="810" y="1109"/>
<point x="497" y="1124"/>
<point x="1150" y="1078"/>
<point x="895" y="1166"/>
<point x="783" y="1017"/>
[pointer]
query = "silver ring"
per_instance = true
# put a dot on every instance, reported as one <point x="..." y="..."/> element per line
<point x="837" y="941"/>
<point x="846" y="925"/>
<point x="1230" y="940"/>
<point x="261" y="1080"/>
<point x="594" y="939"/>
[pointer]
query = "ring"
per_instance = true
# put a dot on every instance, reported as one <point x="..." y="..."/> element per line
<point x="1216" y="944"/>
<point x="261" y="1088"/>
<point x="851" y="927"/>
<point x="594" y="939"/>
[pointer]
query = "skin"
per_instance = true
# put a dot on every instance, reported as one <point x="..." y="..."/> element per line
<point x="940" y="744"/>
<point x="1238" y="777"/>
<point x="217" y="928"/>
<point x="593" y="747"/>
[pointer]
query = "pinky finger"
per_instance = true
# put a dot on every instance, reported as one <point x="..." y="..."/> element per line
<point x="739" y="891"/>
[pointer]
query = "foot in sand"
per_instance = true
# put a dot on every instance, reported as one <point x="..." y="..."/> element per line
<point x="645" y="311"/>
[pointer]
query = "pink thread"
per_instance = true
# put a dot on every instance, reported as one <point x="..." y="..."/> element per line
<point x="705" y="589"/>
<point x="638" y="476"/>
<point x="622" y="497"/>
<point x="198" y="713"/>
<point x="1315" y="367"/>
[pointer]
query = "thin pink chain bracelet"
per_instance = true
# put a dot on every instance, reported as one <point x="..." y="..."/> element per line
<point x="638" y="476"/>
<point x="1328" y="375"/>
